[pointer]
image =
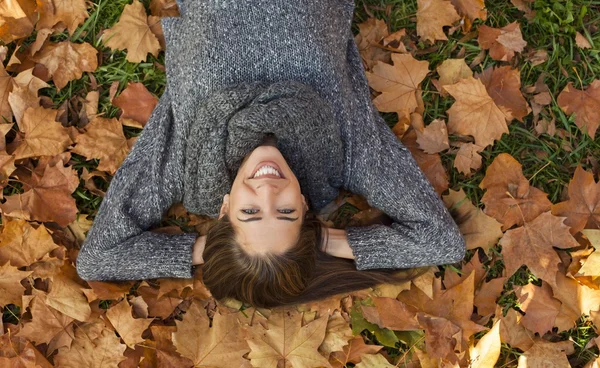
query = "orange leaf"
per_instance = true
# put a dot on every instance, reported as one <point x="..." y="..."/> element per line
<point x="433" y="16"/>
<point x="539" y="306"/>
<point x="10" y="284"/>
<point x="70" y="12"/>
<point x="23" y="245"/>
<point x="584" y="104"/>
<point x="470" y="10"/>
<point x="502" y="42"/>
<point x="504" y="86"/>
<point x="136" y="102"/>
<point x="130" y="329"/>
<point x="47" y="324"/>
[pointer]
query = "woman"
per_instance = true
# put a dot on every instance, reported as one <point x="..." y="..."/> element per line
<point x="277" y="86"/>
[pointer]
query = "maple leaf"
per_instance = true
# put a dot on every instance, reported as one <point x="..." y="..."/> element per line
<point x="470" y="10"/>
<point x="162" y="352"/>
<point x="47" y="324"/>
<point x="23" y="245"/>
<point x="512" y="330"/>
<point x="162" y="307"/>
<point x="451" y="71"/>
<point x="433" y="16"/>
<point x="442" y="337"/>
<point x="10" y="284"/>
<point x="337" y="334"/>
<point x="132" y="33"/>
<point x="130" y="329"/>
<point x="475" y="113"/>
<point x="48" y="199"/>
<point x="576" y="300"/>
<point x="104" y="140"/>
<point x="66" y="297"/>
<point x="431" y="165"/>
<point x="434" y="137"/>
<point x="584" y="104"/>
<point x="370" y="33"/>
<point x="488" y="293"/>
<point x="582" y="209"/>
<point x="25" y="94"/>
<point x="44" y="136"/>
<point x="164" y="8"/>
<point x="539" y="306"/>
<point x="222" y="345"/>
<point x="66" y="61"/>
<point x="15" y="20"/>
<point x="71" y="12"/>
<point x="502" y="42"/>
<point x="547" y="354"/>
<point x="6" y="87"/>
<point x="352" y="352"/>
<point x="532" y="244"/>
<point x="97" y="348"/>
<point x="487" y="351"/>
<point x="399" y="83"/>
<point x="468" y="158"/>
<point x="391" y="314"/>
<point x="287" y="340"/>
<point x="17" y="352"/>
<point x="503" y="84"/>
<point x="136" y="102"/>
<point x="373" y="361"/>
<point x="478" y="229"/>
<point x="509" y="197"/>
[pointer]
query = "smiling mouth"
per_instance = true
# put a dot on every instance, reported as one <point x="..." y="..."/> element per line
<point x="267" y="170"/>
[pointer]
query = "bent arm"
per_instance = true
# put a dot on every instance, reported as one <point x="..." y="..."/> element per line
<point x="119" y="245"/>
<point x="423" y="232"/>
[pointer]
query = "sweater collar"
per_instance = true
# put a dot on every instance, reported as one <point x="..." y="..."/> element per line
<point x="232" y="122"/>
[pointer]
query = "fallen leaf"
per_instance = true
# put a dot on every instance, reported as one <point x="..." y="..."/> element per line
<point x="503" y="42"/>
<point x="399" y="83"/>
<point x="532" y="244"/>
<point x="432" y="17"/>
<point x="470" y="10"/>
<point x="391" y="314"/>
<point x="370" y="33"/>
<point x="23" y="245"/>
<point x="546" y="354"/>
<point x="488" y="293"/>
<point x="136" y="102"/>
<point x="475" y="113"/>
<point x="14" y="21"/>
<point x="132" y="33"/>
<point x="581" y="209"/>
<point x="512" y="330"/>
<point x="430" y="164"/>
<point x="442" y="337"/>
<point x="66" y="297"/>
<point x="487" y="351"/>
<point x="66" y="61"/>
<point x="478" y="229"/>
<point x="70" y="12"/>
<point x="130" y="329"/>
<point x="373" y="361"/>
<point x="576" y="300"/>
<point x="503" y="84"/>
<point x="539" y="306"/>
<point x="453" y="70"/>
<point x="25" y="94"/>
<point x="47" y="324"/>
<point x="352" y="352"/>
<point x="584" y="104"/>
<point x="581" y="41"/>
<point x="221" y="345"/>
<point x="468" y="158"/>
<point x="164" y="8"/>
<point x="510" y="198"/>
<point x="10" y="284"/>
<point x="434" y="137"/>
<point x="337" y="334"/>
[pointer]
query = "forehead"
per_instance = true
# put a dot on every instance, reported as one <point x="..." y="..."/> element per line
<point x="259" y="238"/>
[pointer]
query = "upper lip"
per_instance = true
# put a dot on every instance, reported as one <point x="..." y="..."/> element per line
<point x="267" y="176"/>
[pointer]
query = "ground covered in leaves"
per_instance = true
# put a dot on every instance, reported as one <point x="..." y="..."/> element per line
<point x="499" y="102"/>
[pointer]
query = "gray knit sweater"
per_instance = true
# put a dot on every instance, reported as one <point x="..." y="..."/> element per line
<point x="237" y="69"/>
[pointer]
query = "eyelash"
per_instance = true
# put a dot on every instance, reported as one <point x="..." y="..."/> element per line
<point x="253" y="213"/>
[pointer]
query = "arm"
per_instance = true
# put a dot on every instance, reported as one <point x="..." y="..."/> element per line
<point x="119" y="245"/>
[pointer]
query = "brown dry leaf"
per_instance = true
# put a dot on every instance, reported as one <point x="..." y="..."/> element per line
<point x="487" y="351"/>
<point x="162" y="307"/>
<point x="391" y="314"/>
<point x="433" y="16"/>
<point x="373" y="361"/>
<point x="130" y="329"/>
<point x="222" y="345"/>
<point x="399" y="83"/>
<point x="66" y="61"/>
<point x="512" y="330"/>
<point x="110" y="290"/>
<point x="71" y="12"/>
<point x="98" y="348"/>
<point x="547" y="354"/>
<point x="17" y="352"/>
<point x="15" y="21"/>
<point x="43" y="135"/>
<point x="23" y="245"/>
<point x="532" y="244"/>
<point x="337" y="334"/>
<point x="48" y="199"/>
<point x="488" y="293"/>
<point x="136" y="102"/>
<point x="430" y="164"/>
<point x="582" y="41"/>
<point x="47" y="324"/>
<point x="104" y="140"/>
<point x="468" y="158"/>
<point x="453" y="70"/>
<point x="470" y="10"/>
<point x="132" y="33"/>
<point x="591" y="265"/>
<point x="475" y="113"/>
<point x="509" y="197"/>
<point x="582" y="209"/>
<point x="163" y="353"/>
<point x="525" y="6"/>
<point x="502" y="42"/>
<point x="287" y="340"/>
<point x="10" y="284"/>
<point x="584" y="104"/>
<point x="576" y="300"/>
<point x="66" y="297"/>
<point x="539" y="306"/>
<point x="371" y="32"/>
<point x="478" y="229"/>
<point x="164" y="8"/>
<point x="352" y="352"/>
<point x="25" y="93"/>
<point x="6" y="86"/>
<point x="434" y="137"/>
<point x="503" y="84"/>
<point x="442" y="337"/>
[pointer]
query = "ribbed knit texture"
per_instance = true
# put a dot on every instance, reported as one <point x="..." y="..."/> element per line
<point x="233" y="68"/>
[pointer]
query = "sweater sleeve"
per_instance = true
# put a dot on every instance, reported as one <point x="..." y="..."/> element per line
<point x="423" y="231"/>
<point x="119" y="245"/>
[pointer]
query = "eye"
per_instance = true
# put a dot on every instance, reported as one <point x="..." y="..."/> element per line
<point x="248" y="211"/>
<point x="287" y="211"/>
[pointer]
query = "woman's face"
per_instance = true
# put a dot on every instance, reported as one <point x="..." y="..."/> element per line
<point x="266" y="210"/>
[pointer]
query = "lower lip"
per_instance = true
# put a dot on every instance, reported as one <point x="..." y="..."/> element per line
<point x="265" y="163"/>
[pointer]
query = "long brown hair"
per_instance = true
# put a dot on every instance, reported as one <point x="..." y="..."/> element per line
<point x="302" y="274"/>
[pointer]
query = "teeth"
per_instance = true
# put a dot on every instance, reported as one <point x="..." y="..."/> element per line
<point x="267" y="170"/>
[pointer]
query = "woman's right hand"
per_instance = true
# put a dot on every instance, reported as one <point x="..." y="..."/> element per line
<point x="198" y="250"/>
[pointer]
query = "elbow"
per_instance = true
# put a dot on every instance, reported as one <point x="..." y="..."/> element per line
<point x="450" y="245"/>
<point x="84" y="264"/>
<point x="457" y="246"/>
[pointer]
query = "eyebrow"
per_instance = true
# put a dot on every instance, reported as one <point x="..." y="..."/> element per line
<point x="260" y="218"/>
